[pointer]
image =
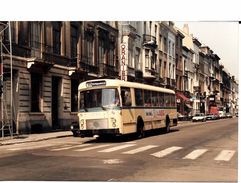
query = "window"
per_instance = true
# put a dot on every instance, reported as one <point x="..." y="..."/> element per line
<point x="139" y="97"/>
<point x="137" y="61"/>
<point x="153" y="60"/>
<point x="147" y="98"/>
<point x="126" y="96"/>
<point x="74" y="40"/>
<point x="112" y="55"/>
<point x="36" y="92"/>
<point x="99" y="98"/>
<point x="56" y="38"/>
<point x="154" y="98"/>
<point x="161" y="99"/>
<point x="101" y="52"/>
<point x="167" y="99"/>
<point x="35" y="33"/>
<point x="147" y="58"/>
<point x="172" y="100"/>
<point x="90" y="52"/>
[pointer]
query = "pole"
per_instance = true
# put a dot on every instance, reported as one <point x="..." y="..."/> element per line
<point x="1" y="83"/>
<point x="11" y="71"/>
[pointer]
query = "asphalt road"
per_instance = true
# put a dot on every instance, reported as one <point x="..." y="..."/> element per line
<point x="203" y="151"/>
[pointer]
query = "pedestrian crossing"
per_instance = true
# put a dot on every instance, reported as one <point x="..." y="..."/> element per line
<point x="154" y="151"/>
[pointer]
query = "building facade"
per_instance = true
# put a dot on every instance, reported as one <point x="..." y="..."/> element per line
<point x="50" y="59"/>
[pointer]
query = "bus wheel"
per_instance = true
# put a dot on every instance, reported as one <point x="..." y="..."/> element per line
<point x="140" y="130"/>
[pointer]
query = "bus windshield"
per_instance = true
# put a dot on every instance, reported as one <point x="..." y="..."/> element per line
<point x="99" y="99"/>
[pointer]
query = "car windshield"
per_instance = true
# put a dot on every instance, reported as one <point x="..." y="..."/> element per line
<point x="198" y="115"/>
<point x="99" y="99"/>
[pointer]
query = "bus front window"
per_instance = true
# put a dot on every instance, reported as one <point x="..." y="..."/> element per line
<point x="99" y="98"/>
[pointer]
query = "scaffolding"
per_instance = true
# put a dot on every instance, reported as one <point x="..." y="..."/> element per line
<point x="6" y="104"/>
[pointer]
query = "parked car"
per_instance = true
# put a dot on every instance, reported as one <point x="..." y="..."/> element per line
<point x="211" y="116"/>
<point x="199" y="117"/>
<point x="222" y="114"/>
<point x="229" y="115"/>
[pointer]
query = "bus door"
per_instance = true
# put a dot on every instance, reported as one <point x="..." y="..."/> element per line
<point x="128" y="113"/>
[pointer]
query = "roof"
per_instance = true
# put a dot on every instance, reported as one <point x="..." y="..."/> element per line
<point x="117" y="83"/>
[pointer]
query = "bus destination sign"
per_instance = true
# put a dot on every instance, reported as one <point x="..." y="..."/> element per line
<point x="95" y="83"/>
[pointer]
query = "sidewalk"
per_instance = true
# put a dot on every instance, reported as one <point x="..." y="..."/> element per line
<point x="33" y="137"/>
<point x="45" y="136"/>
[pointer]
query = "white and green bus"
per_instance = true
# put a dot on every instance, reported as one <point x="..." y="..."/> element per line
<point x="116" y="107"/>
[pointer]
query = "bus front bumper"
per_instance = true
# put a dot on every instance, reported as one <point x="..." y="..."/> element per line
<point x="91" y="133"/>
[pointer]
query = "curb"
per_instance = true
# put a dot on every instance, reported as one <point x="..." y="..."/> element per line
<point x="15" y="140"/>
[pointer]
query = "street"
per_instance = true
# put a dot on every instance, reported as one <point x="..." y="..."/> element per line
<point x="201" y="151"/>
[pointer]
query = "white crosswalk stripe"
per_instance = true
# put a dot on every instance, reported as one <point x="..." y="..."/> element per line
<point x="195" y="154"/>
<point x="225" y="155"/>
<point x="141" y="149"/>
<point x="166" y="151"/>
<point x="117" y="148"/>
<point x="70" y="147"/>
<point x="29" y="147"/>
<point x="91" y="148"/>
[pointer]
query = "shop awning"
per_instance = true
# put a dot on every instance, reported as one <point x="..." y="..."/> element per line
<point x="189" y="106"/>
<point x="183" y="97"/>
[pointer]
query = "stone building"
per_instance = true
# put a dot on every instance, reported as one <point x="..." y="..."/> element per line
<point x="49" y="61"/>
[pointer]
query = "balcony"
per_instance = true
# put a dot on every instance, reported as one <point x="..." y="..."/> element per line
<point x="18" y="50"/>
<point x="108" y="70"/>
<point x="131" y="71"/>
<point x="87" y="68"/>
<point x="173" y="82"/>
<point x="149" y="41"/>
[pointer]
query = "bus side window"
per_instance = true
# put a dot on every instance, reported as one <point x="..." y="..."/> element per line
<point x="147" y="98"/>
<point x="167" y="99"/>
<point x="126" y="96"/>
<point x="139" y="97"/>
<point x="161" y="99"/>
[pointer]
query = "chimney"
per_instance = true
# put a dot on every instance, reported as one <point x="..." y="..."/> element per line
<point x="186" y="29"/>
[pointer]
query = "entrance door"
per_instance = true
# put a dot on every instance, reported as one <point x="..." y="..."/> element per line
<point x="55" y="102"/>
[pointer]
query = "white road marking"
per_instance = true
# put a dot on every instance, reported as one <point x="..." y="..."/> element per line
<point x="134" y="151"/>
<point x="91" y="148"/>
<point x="29" y="147"/>
<point x="70" y="147"/>
<point x="117" y="148"/>
<point x="165" y="152"/>
<point x="225" y="155"/>
<point x="195" y="154"/>
<point x="112" y="161"/>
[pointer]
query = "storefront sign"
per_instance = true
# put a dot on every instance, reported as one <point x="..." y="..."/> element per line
<point x="123" y="58"/>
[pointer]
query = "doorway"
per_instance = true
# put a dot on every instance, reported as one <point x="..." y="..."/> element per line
<point x="55" y="102"/>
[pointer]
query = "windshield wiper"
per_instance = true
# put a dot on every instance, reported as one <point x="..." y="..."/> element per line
<point x="104" y="108"/>
<point x="85" y="109"/>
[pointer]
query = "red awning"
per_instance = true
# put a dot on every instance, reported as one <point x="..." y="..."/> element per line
<point x="183" y="97"/>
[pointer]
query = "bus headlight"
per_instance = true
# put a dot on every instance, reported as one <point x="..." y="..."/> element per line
<point x="82" y="122"/>
<point x="113" y="121"/>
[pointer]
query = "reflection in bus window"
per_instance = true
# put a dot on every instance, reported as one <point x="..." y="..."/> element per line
<point x="126" y="96"/>
<point x="99" y="98"/>
<point x="167" y="99"/>
<point x="139" y="97"/>
<point x="147" y="98"/>
<point x="161" y="99"/>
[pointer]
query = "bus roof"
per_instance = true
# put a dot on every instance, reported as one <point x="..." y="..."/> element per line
<point x="99" y="83"/>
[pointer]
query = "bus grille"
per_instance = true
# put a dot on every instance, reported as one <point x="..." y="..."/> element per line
<point x="97" y="124"/>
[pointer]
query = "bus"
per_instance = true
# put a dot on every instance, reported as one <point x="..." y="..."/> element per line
<point x="117" y="107"/>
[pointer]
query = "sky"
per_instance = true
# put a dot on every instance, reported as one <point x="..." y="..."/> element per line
<point x="222" y="37"/>
<point x="213" y="22"/>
